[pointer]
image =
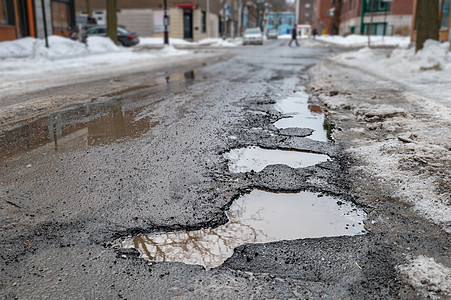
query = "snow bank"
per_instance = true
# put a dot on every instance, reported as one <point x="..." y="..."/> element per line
<point x="28" y="64"/>
<point x="429" y="277"/>
<point x="59" y="48"/>
<point x="362" y="40"/>
<point x="19" y="48"/>
<point x="216" y="42"/>
<point x="146" y="41"/>
<point x="427" y="72"/>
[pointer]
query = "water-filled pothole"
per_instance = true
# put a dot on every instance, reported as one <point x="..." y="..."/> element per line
<point x="303" y="114"/>
<point x="258" y="217"/>
<point x="92" y="124"/>
<point x="255" y="158"/>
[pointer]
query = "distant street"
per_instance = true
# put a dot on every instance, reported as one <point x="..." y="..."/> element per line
<point x="90" y="168"/>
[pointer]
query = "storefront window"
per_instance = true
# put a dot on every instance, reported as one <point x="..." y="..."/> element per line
<point x="60" y="15"/>
<point x="6" y="13"/>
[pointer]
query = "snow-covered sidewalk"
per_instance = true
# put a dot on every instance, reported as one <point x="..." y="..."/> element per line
<point x="394" y="114"/>
<point x="27" y="65"/>
<point x="362" y="40"/>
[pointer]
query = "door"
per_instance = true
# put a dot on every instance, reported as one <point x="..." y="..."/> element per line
<point x="188" y="24"/>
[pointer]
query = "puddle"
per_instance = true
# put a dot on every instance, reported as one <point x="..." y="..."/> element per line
<point x="303" y="114"/>
<point x="255" y="158"/>
<point x="60" y="131"/>
<point x="91" y="124"/>
<point x="258" y="217"/>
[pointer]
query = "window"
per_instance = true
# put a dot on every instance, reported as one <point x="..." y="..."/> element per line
<point x="350" y="5"/>
<point x="203" y="21"/>
<point x="307" y="14"/>
<point x="6" y="12"/>
<point x="376" y="6"/>
<point x="307" y="5"/>
<point x="60" y="14"/>
<point x="445" y="15"/>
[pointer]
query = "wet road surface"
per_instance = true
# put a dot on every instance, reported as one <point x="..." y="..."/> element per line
<point x="154" y="160"/>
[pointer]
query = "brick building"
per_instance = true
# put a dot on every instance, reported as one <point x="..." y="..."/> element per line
<point x="322" y="16"/>
<point x="188" y="19"/>
<point x="25" y="18"/>
<point x="306" y="11"/>
<point x="377" y="16"/>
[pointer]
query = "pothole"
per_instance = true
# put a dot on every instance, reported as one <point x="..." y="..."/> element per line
<point x="90" y="124"/>
<point x="300" y="113"/>
<point x="255" y="158"/>
<point x="258" y="217"/>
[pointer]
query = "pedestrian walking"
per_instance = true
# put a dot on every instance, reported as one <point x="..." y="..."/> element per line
<point x="294" y="35"/>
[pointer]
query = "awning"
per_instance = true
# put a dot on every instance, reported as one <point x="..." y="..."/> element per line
<point x="186" y="5"/>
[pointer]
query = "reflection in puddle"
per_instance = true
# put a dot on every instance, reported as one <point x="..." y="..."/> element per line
<point x="302" y="114"/>
<point x="255" y="158"/>
<point x="61" y="131"/>
<point x="91" y="124"/>
<point x="258" y="217"/>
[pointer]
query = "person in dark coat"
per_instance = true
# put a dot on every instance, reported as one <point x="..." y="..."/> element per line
<point x="294" y="35"/>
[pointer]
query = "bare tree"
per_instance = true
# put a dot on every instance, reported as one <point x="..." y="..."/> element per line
<point x="88" y="8"/>
<point x="427" y="22"/>
<point x="111" y="20"/>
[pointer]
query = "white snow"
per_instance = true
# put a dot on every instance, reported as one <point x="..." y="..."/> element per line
<point x="215" y="42"/>
<point x="427" y="72"/>
<point x="428" y="277"/>
<point x="26" y="64"/>
<point x="362" y="40"/>
<point x="424" y="81"/>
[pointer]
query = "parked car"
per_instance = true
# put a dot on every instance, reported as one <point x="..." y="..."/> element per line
<point x="85" y="22"/>
<point x="272" y="34"/>
<point x="125" y="37"/>
<point x="253" y="36"/>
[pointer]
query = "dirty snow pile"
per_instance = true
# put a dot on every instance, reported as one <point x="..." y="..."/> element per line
<point x="428" y="276"/>
<point x="413" y="157"/>
<point x="27" y="61"/>
<point x="214" y="42"/>
<point x="362" y="40"/>
<point x="427" y="72"/>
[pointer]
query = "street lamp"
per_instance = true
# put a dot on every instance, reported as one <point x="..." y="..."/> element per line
<point x="166" y="23"/>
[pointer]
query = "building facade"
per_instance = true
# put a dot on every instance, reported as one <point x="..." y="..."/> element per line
<point x="283" y="22"/>
<point x="188" y="19"/>
<point x="323" y="16"/>
<point x="25" y="18"/>
<point x="306" y="12"/>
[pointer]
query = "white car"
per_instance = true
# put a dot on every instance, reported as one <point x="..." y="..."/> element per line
<point x="253" y="36"/>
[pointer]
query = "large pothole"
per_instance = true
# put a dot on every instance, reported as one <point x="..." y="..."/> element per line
<point x="258" y="217"/>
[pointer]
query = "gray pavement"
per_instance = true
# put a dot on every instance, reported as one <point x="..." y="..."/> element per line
<point x="150" y="159"/>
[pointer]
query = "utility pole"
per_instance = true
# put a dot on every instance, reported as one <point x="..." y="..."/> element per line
<point x="224" y="24"/>
<point x="371" y="23"/>
<point x="240" y="16"/>
<point x="207" y="18"/>
<point x="297" y="12"/>
<point x="166" y="23"/>
<point x="45" y="24"/>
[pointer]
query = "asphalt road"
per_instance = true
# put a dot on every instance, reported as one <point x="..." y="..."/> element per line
<point x="150" y="159"/>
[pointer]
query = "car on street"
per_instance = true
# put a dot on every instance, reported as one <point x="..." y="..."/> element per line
<point x="272" y="34"/>
<point x="124" y="37"/>
<point x="253" y="36"/>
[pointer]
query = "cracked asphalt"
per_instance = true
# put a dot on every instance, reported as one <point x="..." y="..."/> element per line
<point x="150" y="159"/>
